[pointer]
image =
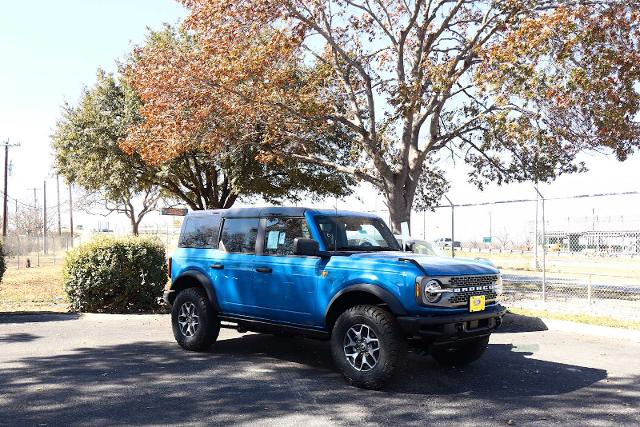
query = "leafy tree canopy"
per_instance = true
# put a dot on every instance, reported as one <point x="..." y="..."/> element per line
<point x="109" y="144"/>
<point x="184" y="111"/>
<point x="516" y="88"/>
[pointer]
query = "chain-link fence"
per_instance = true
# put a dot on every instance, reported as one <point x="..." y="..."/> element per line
<point x="24" y="251"/>
<point x="577" y="254"/>
<point x="27" y="251"/>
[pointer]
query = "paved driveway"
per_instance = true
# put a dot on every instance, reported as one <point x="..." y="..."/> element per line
<point x="106" y="370"/>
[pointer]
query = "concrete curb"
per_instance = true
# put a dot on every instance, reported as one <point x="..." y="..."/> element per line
<point x="514" y="323"/>
<point x="592" y="330"/>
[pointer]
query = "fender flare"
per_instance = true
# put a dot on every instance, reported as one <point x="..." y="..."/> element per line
<point x="394" y="304"/>
<point x="203" y="280"/>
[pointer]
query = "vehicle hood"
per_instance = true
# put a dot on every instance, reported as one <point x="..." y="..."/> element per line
<point x="433" y="265"/>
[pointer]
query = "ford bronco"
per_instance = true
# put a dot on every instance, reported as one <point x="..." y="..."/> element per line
<point x="333" y="275"/>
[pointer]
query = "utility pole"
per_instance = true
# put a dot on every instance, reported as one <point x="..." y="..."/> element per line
<point x="44" y="225"/>
<point x="58" y="200"/>
<point x="5" y="211"/>
<point x="70" y="215"/>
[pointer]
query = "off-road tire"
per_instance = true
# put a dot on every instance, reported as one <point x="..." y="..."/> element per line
<point x="208" y="323"/>
<point x="392" y="345"/>
<point x="460" y="354"/>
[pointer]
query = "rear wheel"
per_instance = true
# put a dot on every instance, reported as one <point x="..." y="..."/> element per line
<point x="460" y="354"/>
<point x="195" y="324"/>
<point x="367" y="346"/>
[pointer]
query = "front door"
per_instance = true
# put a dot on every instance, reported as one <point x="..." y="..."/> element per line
<point x="285" y="283"/>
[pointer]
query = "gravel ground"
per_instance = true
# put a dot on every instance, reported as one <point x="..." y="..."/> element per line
<point x="114" y="370"/>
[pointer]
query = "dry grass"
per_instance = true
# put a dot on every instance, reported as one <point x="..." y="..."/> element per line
<point x="33" y="289"/>
<point x="580" y="318"/>
<point x="563" y="264"/>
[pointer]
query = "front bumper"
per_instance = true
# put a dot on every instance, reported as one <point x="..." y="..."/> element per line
<point x="453" y="327"/>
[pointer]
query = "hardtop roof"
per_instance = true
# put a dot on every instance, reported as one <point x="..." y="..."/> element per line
<point x="254" y="212"/>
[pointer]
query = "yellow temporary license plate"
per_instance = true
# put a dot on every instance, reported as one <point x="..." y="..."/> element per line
<point x="476" y="303"/>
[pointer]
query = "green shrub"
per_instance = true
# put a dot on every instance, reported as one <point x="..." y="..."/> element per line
<point x="110" y="275"/>
<point x="3" y="265"/>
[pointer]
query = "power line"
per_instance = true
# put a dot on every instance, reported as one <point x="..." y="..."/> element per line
<point x="499" y="202"/>
<point x="577" y="196"/>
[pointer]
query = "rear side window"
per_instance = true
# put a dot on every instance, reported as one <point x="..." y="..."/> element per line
<point x="280" y="233"/>
<point x="239" y="235"/>
<point x="200" y="232"/>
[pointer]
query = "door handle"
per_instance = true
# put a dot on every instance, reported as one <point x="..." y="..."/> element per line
<point x="263" y="270"/>
<point x="217" y="266"/>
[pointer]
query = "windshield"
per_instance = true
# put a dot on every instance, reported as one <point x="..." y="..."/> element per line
<point x="353" y="233"/>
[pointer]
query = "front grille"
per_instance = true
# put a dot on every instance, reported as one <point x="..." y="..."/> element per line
<point x="460" y="281"/>
<point x="466" y="287"/>
<point x="463" y="297"/>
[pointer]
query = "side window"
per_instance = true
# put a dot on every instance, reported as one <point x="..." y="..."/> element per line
<point x="200" y="232"/>
<point x="239" y="235"/>
<point x="280" y="233"/>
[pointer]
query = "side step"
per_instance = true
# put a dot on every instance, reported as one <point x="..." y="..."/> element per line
<point x="245" y="325"/>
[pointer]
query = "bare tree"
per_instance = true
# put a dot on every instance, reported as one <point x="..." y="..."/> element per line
<point x="133" y="205"/>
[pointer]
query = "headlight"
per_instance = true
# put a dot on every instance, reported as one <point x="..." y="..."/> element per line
<point x="429" y="291"/>
<point x="432" y="291"/>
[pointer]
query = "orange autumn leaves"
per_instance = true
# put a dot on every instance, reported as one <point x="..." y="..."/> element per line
<point x="196" y="95"/>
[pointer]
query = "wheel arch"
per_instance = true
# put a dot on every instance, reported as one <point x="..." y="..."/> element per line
<point x="357" y="294"/>
<point x="194" y="279"/>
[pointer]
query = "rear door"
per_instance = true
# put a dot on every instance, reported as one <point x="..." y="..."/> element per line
<point x="237" y="266"/>
<point x="198" y="245"/>
<point x="285" y="283"/>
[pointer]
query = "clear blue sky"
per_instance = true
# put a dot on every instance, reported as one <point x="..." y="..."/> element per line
<point x="49" y="51"/>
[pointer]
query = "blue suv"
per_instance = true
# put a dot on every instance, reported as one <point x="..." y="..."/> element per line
<point x="333" y="275"/>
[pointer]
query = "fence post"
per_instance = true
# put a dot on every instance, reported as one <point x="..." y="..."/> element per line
<point x="453" y="221"/>
<point x="590" y="289"/>
<point x="544" y="248"/>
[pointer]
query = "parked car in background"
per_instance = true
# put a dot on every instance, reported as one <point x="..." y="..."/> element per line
<point x="445" y="242"/>
<point x="327" y="274"/>
<point x="424" y="247"/>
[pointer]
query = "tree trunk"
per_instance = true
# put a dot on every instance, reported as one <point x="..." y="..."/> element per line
<point x="135" y="227"/>
<point x="399" y="210"/>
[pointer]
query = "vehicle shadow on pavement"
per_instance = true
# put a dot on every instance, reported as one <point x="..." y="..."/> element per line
<point x="519" y="323"/>
<point x="503" y="371"/>
<point x="253" y="377"/>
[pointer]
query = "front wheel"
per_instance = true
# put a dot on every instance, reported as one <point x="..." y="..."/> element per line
<point x="195" y="324"/>
<point x="460" y="354"/>
<point x="367" y="346"/>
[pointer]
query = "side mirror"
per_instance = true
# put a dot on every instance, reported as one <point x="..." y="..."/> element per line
<point x="306" y="247"/>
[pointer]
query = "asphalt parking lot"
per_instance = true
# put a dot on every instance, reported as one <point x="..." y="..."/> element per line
<point x="113" y="370"/>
